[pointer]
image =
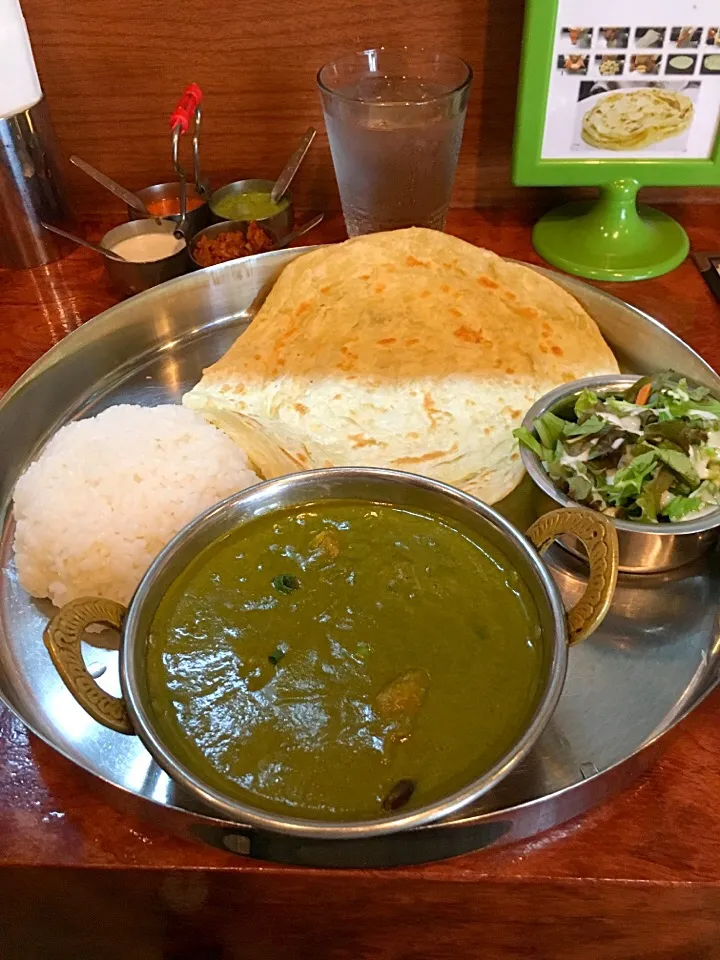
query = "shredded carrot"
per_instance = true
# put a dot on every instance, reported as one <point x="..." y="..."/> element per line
<point x="644" y="394"/>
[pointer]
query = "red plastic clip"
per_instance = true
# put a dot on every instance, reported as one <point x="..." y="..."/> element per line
<point x="187" y="105"/>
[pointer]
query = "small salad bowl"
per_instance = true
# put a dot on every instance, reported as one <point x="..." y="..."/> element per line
<point x="644" y="546"/>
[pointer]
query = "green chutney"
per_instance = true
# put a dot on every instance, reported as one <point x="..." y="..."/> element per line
<point x="253" y="205"/>
<point x="344" y="660"/>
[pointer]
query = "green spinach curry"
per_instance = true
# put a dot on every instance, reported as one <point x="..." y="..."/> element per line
<point x="345" y="660"/>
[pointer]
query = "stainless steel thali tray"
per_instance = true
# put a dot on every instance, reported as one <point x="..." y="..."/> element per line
<point x="653" y="660"/>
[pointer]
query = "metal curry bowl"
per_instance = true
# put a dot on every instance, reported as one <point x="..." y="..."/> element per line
<point x="232" y="226"/>
<point x="643" y="547"/>
<point x="195" y="219"/>
<point x="134" y="713"/>
<point x="129" y="277"/>
<point x="280" y="223"/>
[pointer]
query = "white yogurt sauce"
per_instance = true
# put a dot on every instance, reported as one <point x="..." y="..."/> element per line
<point x="148" y="247"/>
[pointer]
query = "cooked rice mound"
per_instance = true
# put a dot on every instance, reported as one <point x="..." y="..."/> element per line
<point x="108" y="492"/>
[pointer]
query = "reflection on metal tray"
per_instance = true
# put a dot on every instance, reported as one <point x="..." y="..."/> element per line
<point x="651" y="662"/>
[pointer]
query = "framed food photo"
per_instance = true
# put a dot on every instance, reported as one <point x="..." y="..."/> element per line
<point x="617" y="95"/>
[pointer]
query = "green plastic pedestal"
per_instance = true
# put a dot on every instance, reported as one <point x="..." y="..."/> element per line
<point x="611" y="238"/>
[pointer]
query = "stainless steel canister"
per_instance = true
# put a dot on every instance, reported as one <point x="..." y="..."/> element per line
<point x="31" y="190"/>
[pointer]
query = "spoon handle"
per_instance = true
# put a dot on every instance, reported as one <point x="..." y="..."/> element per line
<point x="299" y="232"/>
<point x="84" y="243"/>
<point x="291" y="167"/>
<point x="125" y="195"/>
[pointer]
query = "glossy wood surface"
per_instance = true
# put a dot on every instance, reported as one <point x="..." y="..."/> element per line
<point x="113" y="71"/>
<point x="638" y="877"/>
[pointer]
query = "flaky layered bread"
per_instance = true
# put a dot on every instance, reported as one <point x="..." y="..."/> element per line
<point x="411" y="349"/>
<point x="635" y="119"/>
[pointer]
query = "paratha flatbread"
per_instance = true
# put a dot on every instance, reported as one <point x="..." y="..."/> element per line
<point x="410" y="349"/>
<point x="635" y="119"/>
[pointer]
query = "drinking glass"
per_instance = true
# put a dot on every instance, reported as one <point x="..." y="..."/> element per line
<point x="395" y="121"/>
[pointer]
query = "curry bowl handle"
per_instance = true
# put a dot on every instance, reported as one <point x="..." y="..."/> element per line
<point x="599" y="537"/>
<point x="63" y="636"/>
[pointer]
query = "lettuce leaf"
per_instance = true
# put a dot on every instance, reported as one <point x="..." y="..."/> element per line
<point x="585" y="402"/>
<point x="650" y="500"/>
<point x="679" y="432"/>
<point x="622" y="408"/>
<point x="680" y="507"/>
<point x="680" y="464"/>
<point x="579" y="488"/>
<point x="524" y="437"/>
<point x="549" y="429"/>
<point x="685" y="408"/>
<point x="698" y="393"/>
<point x="628" y="482"/>
<point x="587" y="428"/>
<point x="708" y="493"/>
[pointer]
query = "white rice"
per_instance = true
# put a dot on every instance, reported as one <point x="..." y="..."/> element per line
<point x="109" y="492"/>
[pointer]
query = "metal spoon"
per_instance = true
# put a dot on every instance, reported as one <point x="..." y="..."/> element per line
<point x="110" y="254"/>
<point x="292" y="166"/>
<point x="299" y="231"/>
<point x="131" y="199"/>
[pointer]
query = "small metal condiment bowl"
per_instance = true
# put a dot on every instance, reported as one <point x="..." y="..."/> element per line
<point x="228" y="226"/>
<point x="134" y="713"/>
<point x="644" y="547"/>
<point x="132" y="277"/>
<point x="195" y="219"/>
<point x="280" y="223"/>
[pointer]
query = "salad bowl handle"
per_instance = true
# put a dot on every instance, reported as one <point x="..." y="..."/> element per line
<point x="63" y="637"/>
<point x="599" y="537"/>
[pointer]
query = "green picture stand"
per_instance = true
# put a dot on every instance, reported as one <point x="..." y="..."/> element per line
<point x="612" y="237"/>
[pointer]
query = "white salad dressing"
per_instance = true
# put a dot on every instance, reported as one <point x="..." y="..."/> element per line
<point x="148" y="247"/>
<point x="676" y="394"/>
<point x="568" y="460"/>
<point x="700" y="462"/>
<point x="630" y="424"/>
<point x="701" y="414"/>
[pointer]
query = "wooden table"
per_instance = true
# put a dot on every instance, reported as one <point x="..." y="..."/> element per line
<point x="639" y="877"/>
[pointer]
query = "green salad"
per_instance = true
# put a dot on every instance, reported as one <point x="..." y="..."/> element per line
<point x="650" y="454"/>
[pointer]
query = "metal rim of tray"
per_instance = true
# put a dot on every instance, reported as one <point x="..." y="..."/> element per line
<point x="468" y="830"/>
